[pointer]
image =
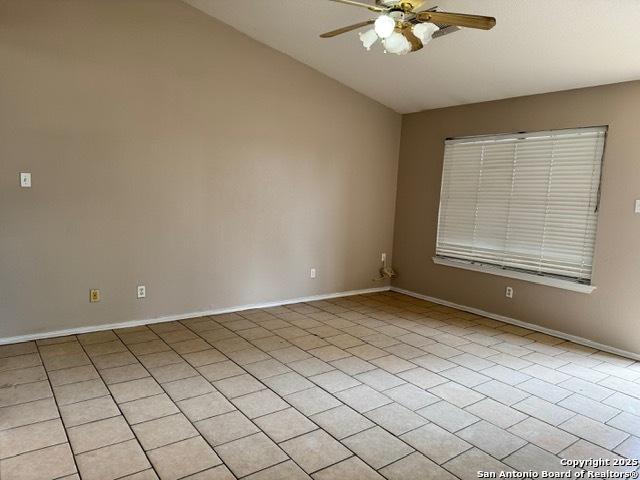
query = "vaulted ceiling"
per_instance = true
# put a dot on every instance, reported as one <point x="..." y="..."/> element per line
<point x="537" y="46"/>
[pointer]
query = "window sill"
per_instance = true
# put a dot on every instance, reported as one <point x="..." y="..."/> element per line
<point x="540" y="280"/>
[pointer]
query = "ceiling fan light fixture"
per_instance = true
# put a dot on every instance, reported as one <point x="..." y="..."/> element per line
<point x="397" y="43"/>
<point x="384" y="26"/>
<point x="424" y="31"/>
<point x="404" y="27"/>
<point x="368" y="38"/>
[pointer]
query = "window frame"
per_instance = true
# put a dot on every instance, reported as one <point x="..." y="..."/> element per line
<point x="546" y="279"/>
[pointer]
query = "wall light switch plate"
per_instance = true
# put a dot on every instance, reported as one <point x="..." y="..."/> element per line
<point x="142" y="291"/>
<point x="637" y="210"/>
<point x="25" y="180"/>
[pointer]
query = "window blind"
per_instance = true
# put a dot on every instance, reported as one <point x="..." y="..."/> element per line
<point x="525" y="201"/>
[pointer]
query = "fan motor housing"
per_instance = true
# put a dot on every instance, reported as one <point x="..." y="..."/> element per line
<point x="404" y="5"/>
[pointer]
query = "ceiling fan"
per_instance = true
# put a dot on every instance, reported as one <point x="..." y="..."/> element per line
<point x="403" y="27"/>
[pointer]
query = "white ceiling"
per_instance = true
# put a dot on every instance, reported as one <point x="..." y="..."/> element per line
<point x="537" y="46"/>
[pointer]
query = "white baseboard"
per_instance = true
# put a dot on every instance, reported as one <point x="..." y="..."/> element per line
<point x="184" y="316"/>
<point x="565" y="336"/>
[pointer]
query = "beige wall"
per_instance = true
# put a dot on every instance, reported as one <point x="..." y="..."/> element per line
<point x="167" y="149"/>
<point x="611" y="315"/>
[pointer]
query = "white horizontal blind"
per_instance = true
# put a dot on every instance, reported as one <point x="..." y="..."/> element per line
<point x="524" y="201"/>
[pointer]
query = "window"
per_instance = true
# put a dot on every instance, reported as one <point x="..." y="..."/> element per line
<point x="525" y="203"/>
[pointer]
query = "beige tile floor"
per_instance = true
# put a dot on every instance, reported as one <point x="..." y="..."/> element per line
<point x="366" y="387"/>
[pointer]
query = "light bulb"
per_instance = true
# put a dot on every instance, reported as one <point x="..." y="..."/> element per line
<point x="424" y="31"/>
<point x="368" y="38"/>
<point x="397" y="43"/>
<point x="384" y="26"/>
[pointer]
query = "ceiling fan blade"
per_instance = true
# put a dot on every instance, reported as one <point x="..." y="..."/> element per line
<point x="458" y="19"/>
<point x="373" y="8"/>
<point x="416" y="43"/>
<point x="445" y="31"/>
<point x="339" y="31"/>
<point x="430" y="9"/>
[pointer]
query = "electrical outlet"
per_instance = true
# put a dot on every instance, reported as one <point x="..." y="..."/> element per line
<point x="509" y="292"/>
<point x="142" y="291"/>
<point x="312" y="273"/>
<point x="383" y="257"/>
<point x="637" y="209"/>
<point x="94" y="295"/>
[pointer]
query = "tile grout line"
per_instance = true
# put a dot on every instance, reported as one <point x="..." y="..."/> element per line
<point x="55" y="401"/>
<point x="316" y="386"/>
<point x="230" y="400"/>
<point x="572" y="392"/>
<point x="175" y="403"/>
<point x="528" y="393"/>
<point x="119" y="409"/>
<point x="285" y="401"/>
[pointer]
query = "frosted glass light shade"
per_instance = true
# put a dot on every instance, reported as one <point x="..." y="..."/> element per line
<point x="397" y="43"/>
<point x="384" y="26"/>
<point x="368" y="38"/>
<point x="424" y="31"/>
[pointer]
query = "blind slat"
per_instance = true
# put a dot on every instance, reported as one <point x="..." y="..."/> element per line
<point x="525" y="201"/>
